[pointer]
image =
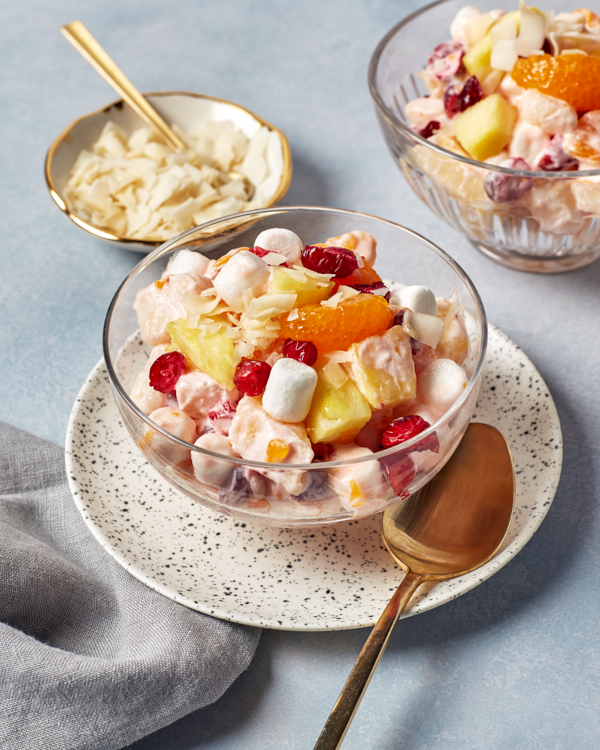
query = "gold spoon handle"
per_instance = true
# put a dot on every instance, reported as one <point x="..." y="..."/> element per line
<point x="85" y="43"/>
<point x="349" y="699"/>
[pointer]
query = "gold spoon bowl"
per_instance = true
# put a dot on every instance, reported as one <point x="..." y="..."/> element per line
<point x="452" y="526"/>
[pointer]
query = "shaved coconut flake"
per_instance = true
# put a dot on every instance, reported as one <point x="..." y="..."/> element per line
<point x="274" y="259"/>
<point x="314" y="274"/>
<point x="343" y="292"/>
<point x="335" y="374"/>
<point x="243" y="349"/>
<point x="424" y="328"/>
<point x="492" y="81"/>
<point x="339" y="357"/>
<point x="214" y="327"/>
<point x="247" y="296"/>
<point x="277" y="303"/>
<point x="297" y="273"/>
<point x="450" y="315"/>
<point x="532" y="32"/>
<point x="197" y="304"/>
<point x="504" y="55"/>
<point x="294" y="314"/>
<point x="333" y="300"/>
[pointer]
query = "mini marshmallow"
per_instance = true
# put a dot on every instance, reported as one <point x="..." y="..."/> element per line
<point x="211" y="470"/>
<point x="419" y="299"/>
<point x="187" y="261"/>
<point x="281" y="241"/>
<point x="441" y="383"/>
<point x="244" y="271"/>
<point x="290" y="389"/>
<point x="422" y="327"/>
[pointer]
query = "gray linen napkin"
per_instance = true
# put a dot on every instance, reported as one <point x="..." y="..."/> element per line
<point x="90" y="658"/>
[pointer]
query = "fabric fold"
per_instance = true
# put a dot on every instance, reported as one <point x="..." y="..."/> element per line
<point x="89" y="656"/>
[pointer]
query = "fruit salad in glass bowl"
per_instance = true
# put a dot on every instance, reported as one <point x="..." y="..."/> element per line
<point x="264" y="367"/>
<point x="498" y="130"/>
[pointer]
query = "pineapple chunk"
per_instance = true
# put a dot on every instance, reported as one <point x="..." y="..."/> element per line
<point x="310" y="292"/>
<point x="336" y="414"/>
<point x="484" y="129"/>
<point x="382" y="367"/>
<point x="462" y="181"/>
<point x="211" y="353"/>
<point x="478" y="59"/>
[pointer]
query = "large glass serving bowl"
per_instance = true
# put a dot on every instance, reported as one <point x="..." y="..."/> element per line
<point x="555" y="227"/>
<point x="257" y="491"/>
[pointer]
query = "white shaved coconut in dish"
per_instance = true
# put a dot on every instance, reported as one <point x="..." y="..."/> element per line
<point x="137" y="187"/>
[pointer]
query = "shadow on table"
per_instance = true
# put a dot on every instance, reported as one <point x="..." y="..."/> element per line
<point x="309" y="186"/>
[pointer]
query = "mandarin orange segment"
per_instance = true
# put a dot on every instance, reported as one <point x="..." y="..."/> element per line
<point x="584" y="141"/>
<point x="572" y="78"/>
<point x="333" y="328"/>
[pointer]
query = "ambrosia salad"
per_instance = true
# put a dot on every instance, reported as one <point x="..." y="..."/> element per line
<point x="519" y="90"/>
<point x="292" y="354"/>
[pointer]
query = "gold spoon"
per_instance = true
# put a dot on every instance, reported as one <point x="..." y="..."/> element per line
<point x="86" y="44"/>
<point x="452" y="526"/>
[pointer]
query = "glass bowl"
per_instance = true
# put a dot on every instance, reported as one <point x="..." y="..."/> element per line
<point x="555" y="227"/>
<point x="253" y="490"/>
<point x="186" y="109"/>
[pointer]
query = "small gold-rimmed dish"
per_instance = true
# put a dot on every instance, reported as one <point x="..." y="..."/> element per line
<point x="185" y="110"/>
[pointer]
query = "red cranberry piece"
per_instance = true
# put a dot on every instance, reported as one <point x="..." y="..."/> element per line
<point x="302" y="351"/>
<point x="323" y="451"/>
<point x="446" y="60"/>
<point x="166" y="371"/>
<point x="470" y="93"/>
<point x="371" y="289"/>
<point x="336" y="260"/>
<point x="432" y="127"/>
<point x="402" y="429"/>
<point x="251" y="377"/>
<point x="503" y="188"/>
<point x="399" y="470"/>
<point x="450" y="100"/>
<point x="555" y="158"/>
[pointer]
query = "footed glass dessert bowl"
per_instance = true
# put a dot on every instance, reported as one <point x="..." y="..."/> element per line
<point x="265" y="370"/>
<point x="527" y="204"/>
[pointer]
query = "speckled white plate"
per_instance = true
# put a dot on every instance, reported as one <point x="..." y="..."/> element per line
<point x="327" y="578"/>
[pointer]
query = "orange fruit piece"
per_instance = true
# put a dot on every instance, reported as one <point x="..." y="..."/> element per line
<point x="572" y="78"/>
<point x="584" y="141"/>
<point x="333" y="328"/>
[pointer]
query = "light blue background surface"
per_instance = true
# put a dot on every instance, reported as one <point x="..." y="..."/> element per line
<point x="513" y="664"/>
